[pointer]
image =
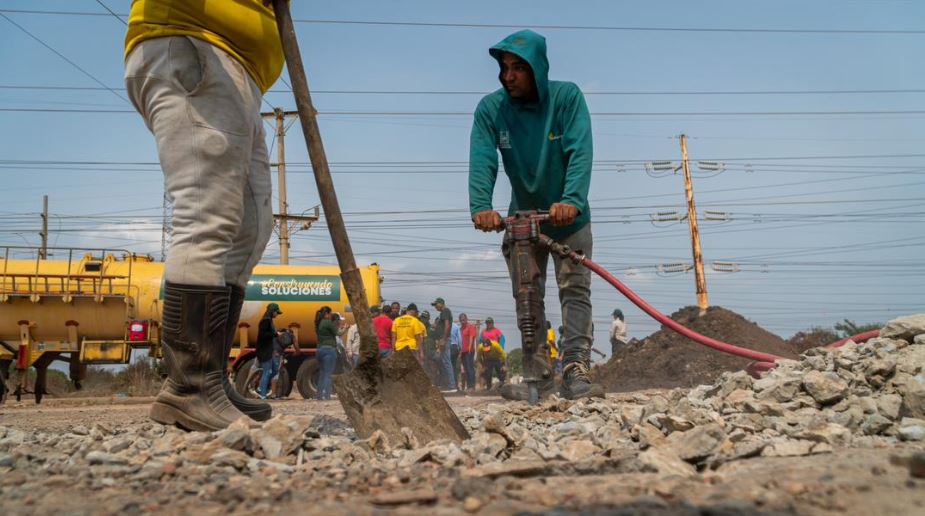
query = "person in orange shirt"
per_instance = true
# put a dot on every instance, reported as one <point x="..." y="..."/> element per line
<point x="196" y="71"/>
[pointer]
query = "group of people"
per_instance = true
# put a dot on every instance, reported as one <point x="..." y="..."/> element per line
<point x="453" y="352"/>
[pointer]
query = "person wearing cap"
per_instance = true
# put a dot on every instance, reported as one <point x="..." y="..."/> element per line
<point x="383" y="326"/>
<point x="468" y="334"/>
<point x="542" y="129"/>
<point x="326" y="351"/>
<point x="617" y="332"/>
<point x="443" y="330"/>
<point x="408" y="332"/>
<point x="492" y="332"/>
<point x="266" y="333"/>
<point x="430" y="350"/>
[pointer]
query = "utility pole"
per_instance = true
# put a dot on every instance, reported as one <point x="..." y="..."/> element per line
<point x="699" y="276"/>
<point x="281" y="176"/>
<point x="283" y="217"/>
<point x="43" y="252"/>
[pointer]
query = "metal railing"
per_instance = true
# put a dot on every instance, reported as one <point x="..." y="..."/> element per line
<point x="81" y="282"/>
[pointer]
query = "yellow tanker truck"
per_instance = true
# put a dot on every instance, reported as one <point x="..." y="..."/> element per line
<point x="98" y="305"/>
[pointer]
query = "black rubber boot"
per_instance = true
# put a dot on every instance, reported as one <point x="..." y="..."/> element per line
<point x="194" y="326"/>
<point x="256" y="410"/>
<point x="576" y="382"/>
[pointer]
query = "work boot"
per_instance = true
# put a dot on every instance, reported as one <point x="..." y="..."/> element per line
<point x="256" y="410"/>
<point x="194" y="324"/>
<point x="576" y="382"/>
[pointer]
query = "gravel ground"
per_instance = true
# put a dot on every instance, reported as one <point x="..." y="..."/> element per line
<point x="837" y="432"/>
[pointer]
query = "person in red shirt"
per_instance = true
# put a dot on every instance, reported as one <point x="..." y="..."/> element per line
<point x="491" y="332"/>
<point x="469" y="333"/>
<point x="383" y="325"/>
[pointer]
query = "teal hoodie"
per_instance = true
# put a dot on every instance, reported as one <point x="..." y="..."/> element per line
<point x="545" y="145"/>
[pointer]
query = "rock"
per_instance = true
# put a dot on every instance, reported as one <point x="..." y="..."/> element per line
<point x="665" y="461"/>
<point x="919" y="339"/>
<point x="912" y="429"/>
<point x="906" y="328"/>
<point x="912" y="390"/>
<point x="825" y="432"/>
<point x="699" y="443"/>
<point x="875" y="424"/>
<point x="777" y="388"/>
<point x="579" y="450"/>
<point x="413" y="457"/>
<point x="6" y="460"/>
<point x="648" y="435"/>
<point x="825" y="388"/>
<point x="794" y="448"/>
<point x="472" y="504"/>
<point x="511" y="468"/>
<point x="889" y="405"/>
<point x="117" y="445"/>
<point x="405" y="497"/>
<point x="99" y="457"/>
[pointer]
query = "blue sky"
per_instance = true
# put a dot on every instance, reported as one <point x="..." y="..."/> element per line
<point x="817" y="240"/>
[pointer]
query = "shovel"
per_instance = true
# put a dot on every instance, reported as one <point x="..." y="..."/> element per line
<point x="392" y="395"/>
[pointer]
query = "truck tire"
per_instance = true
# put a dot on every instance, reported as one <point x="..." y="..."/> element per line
<point x="307" y="378"/>
<point x="4" y="376"/>
<point x="247" y="381"/>
<point x="243" y="378"/>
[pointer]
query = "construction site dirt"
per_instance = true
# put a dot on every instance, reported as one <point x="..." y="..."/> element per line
<point x="666" y="359"/>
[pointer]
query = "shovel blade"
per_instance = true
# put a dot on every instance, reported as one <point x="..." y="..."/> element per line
<point x="396" y="393"/>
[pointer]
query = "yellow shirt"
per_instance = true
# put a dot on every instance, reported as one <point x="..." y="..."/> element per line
<point x="551" y="341"/>
<point x="246" y="29"/>
<point x="405" y="329"/>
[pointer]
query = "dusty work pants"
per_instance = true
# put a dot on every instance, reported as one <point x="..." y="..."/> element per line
<point x="574" y="294"/>
<point x="204" y="111"/>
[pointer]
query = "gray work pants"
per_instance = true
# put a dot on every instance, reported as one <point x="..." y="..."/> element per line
<point x="204" y="111"/>
<point x="574" y="294"/>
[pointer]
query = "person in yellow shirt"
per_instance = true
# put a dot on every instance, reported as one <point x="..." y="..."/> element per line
<point x="491" y="359"/>
<point x="551" y="343"/>
<point x="409" y="332"/>
<point x="196" y="71"/>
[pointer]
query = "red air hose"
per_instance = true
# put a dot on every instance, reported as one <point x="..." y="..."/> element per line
<point x="765" y="361"/>
<point x="662" y="318"/>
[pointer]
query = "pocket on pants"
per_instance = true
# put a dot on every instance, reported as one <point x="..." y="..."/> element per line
<point x="212" y="86"/>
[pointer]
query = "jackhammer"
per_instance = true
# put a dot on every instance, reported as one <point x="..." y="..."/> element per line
<point x="524" y="238"/>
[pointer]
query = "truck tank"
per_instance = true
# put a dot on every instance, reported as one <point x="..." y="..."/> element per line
<point x="99" y="296"/>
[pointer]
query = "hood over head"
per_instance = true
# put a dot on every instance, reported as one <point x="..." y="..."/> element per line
<point x="531" y="47"/>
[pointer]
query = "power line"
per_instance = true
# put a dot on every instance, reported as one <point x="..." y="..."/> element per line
<point x="116" y="16"/>
<point x="478" y="92"/>
<point x="733" y="30"/>
<point x="469" y="114"/>
<point x="62" y="56"/>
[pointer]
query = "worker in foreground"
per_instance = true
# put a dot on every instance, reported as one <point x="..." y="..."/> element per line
<point x="196" y="73"/>
<point x="543" y="130"/>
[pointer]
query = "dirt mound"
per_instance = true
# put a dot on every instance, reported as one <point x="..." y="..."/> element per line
<point x="666" y="359"/>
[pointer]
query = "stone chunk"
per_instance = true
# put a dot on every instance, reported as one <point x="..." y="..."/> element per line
<point x="825" y="388"/>
<point x="665" y="461"/>
<point x="906" y="328"/>
<point x="699" y="443"/>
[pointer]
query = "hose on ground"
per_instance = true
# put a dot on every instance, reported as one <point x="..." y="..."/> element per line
<point x="764" y="361"/>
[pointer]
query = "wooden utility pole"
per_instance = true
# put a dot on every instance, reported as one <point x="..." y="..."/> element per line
<point x="282" y="218"/>
<point x="699" y="276"/>
<point x="43" y="252"/>
<point x="281" y="175"/>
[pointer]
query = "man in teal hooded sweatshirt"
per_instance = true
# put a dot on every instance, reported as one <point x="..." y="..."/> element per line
<point x="543" y="130"/>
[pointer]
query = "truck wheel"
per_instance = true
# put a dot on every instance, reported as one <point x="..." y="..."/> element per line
<point x="245" y="379"/>
<point x="4" y="375"/>
<point x="307" y="378"/>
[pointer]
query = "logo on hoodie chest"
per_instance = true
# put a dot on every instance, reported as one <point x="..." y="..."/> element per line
<point x="504" y="140"/>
